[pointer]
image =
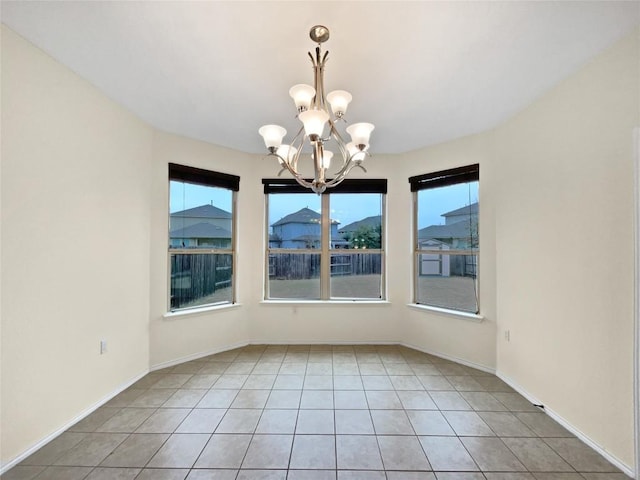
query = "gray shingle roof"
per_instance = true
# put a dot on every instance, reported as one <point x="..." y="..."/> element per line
<point x="468" y="209"/>
<point x="203" y="211"/>
<point x="455" y="230"/>
<point x="373" y="221"/>
<point x="304" y="215"/>
<point x="201" y="230"/>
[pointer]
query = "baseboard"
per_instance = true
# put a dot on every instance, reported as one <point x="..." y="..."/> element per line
<point x="196" y="356"/>
<point x="462" y="361"/>
<point x="85" y="413"/>
<point x="322" y="342"/>
<point x="626" y="469"/>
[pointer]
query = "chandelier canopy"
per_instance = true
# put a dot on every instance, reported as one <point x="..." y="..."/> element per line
<point x="311" y="104"/>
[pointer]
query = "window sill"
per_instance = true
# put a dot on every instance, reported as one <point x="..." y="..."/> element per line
<point x="188" y="312"/>
<point x="339" y="303"/>
<point x="472" y="317"/>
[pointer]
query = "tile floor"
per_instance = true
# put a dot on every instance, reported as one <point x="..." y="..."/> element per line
<point x="317" y="413"/>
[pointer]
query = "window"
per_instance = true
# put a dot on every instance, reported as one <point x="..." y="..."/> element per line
<point x="201" y="237"/>
<point x="446" y="242"/>
<point x="325" y="247"/>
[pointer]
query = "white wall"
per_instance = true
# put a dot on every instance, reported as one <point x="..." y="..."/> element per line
<point x="564" y="231"/>
<point x="469" y="341"/>
<point x="185" y="336"/>
<point x="75" y="243"/>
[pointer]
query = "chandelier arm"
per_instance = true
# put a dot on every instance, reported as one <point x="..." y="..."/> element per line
<point x="342" y="146"/>
<point x="344" y="171"/>
<point x="318" y="154"/>
<point x="318" y="78"/>
<point x="296" y="175"/>
<point x="300" y="137"/>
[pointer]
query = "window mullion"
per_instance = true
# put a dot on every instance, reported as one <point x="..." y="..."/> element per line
<point x="415" y="247"/>
<point x="325" y="258"/>
<point x="267" y="248"/>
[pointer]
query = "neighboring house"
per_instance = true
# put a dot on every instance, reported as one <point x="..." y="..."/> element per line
<point x="203" y="226"/>
<point x="461" y="214"/>
<point x="460" y="230"/>
<point x="301" y="230"/>
<point x="372" y="222"/>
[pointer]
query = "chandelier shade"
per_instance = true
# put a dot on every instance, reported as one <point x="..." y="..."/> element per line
<point x="326" y="158"/>
<point x="360" y="133"/>
<point x="286" y="153"/>
<point x="314" y="111"/>
<point x="302" y="96"/>
<point x="314" y="121"/>
<point x="272" y="135"/>
<point x="355" y="152"/>
<point x="339" y="101"/>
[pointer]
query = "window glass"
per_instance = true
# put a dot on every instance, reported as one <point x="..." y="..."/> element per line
<point x="356" y="243"/>
<point x="294" y="275"/>
<point x="447" y="246"/>
<point x="338" y="257"/>
<point x="356" y="274"/>
<point x="294" y="224"/>
<point x="294" y="221"/>
<point x="200" y="279"/>
<point x="200" y="244"/>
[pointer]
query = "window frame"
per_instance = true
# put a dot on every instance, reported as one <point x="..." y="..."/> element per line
<point x="444" y="178"/>
<point x="202" y="177"/>
<point x="290" y="186"/>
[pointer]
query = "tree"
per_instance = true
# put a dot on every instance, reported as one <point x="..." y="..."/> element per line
<point x="365" y="236"/>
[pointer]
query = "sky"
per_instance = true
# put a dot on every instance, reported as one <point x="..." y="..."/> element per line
<point x="346" y="208"/>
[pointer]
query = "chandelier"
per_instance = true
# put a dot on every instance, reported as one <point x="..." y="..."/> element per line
<point x="313" y="112"/>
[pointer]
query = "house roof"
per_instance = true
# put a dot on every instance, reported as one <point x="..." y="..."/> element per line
<point x="203" y="211"/>
<point x="467" y="209"/>
<point x="372" y="221"/>
<point x="454" y="230"/>
<point x="201" y="230"/>
<point x="304" y="215"/>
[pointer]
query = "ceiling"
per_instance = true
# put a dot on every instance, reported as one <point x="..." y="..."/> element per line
<point x="422" y="72"/>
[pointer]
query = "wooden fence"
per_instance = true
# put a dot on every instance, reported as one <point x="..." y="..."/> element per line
<point x="296" y="266"/>
<point x="195" y="276"/>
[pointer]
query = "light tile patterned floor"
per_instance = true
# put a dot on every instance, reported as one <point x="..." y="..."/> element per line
<point x="309" y="412"/>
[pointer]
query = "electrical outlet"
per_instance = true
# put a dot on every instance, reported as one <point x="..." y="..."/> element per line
<point x="507" y="335"/>
<point x="103" y="347"/>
